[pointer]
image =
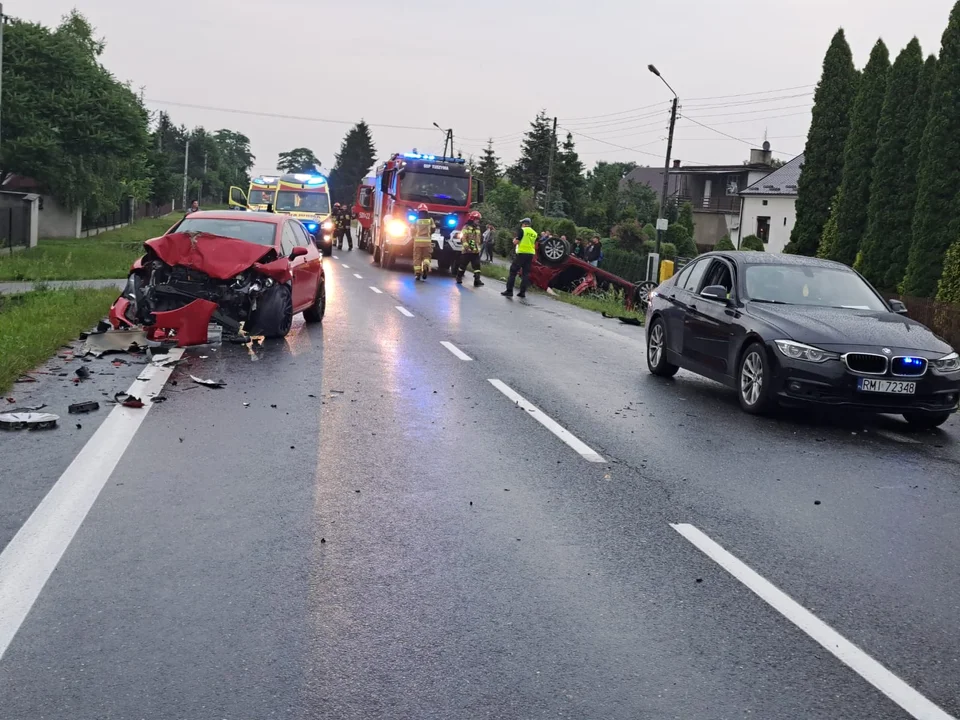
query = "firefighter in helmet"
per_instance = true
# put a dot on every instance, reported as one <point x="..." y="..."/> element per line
<point x="422" y="242"/>
<point x="335" y="217"/>
<point x="470" y="254"/>
<point x="343" y="227"/>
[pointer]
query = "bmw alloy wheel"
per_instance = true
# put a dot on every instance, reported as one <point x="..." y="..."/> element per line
<point x="655" y="344"/>
<point x="751" y="378"/>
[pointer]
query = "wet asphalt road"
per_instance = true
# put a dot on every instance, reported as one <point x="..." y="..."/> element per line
<point x="397" y="539"/>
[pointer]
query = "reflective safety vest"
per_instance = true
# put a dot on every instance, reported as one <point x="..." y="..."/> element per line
<point x="470" y="238"/>
<point x="423" y="231"/>
<point x="528" y="243"/>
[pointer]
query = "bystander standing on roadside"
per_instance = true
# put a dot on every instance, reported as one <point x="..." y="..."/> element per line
<point x="194" y="207"/>
<point x="578" y="249"/>
<point x="489" y="237"/>
<point x="594" y="251"/>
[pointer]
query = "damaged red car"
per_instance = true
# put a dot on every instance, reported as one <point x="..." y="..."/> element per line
<point x="249" y="271"/>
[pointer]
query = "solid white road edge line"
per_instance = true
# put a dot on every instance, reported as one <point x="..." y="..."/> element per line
<point x="853" y="657"/>
<point x="569" y="438"/>
<point x="377" y="290"/>
<point x="358" y="276"/>
<point x="31" y="557"/>
<point x="456" y="351"/>
<point x="404" y="311"/>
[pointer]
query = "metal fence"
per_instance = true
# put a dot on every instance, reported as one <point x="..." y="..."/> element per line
<point x="943" y="318"/>
<point x="120" y="216"/>
<point x="15" y="227"/>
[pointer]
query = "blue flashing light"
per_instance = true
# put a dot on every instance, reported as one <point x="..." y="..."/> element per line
<point x="316" y="180"/>
<point x="412" y="217"/>
<point x="418" y="156"/>
<point x="912" y="361"/>
<point x="452" y="220"/>
<point x="311" y="226"/>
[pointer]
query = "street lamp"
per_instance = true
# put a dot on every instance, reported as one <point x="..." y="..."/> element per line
<point x="666" y="166"/>
<point x="447" y="139"/>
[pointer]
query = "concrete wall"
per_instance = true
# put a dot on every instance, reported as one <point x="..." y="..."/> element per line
<point x="782" y="212"/>
<point x="57" y="220"/>
<point x="709" y="227"/>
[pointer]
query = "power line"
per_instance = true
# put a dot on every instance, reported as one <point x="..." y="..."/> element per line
<point x="750" y="94"/>
<point x="279" y="116"/>
<point x="741" y="103"/>
<point x="623" y="147"/>
<point x="727" y="135"/>
<point x="621" y="112"/>
<point x="751" y="112"/>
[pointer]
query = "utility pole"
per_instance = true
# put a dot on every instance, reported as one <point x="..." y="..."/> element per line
<point x="200" y="191"/>
<point x="666" y="167"/>
<point x="447" y="139"/>
<point x="186" y="161"/>
<point x="553" y="151"/>
<point x="2" y="22"/>
<point x="666" y="172"/>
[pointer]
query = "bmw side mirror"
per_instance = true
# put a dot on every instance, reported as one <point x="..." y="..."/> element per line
<point x="898" y="307"/>
<point x="715" y="292"/>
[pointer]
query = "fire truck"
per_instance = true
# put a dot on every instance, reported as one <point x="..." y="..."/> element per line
<point x="407" y="180"/>
<point x="363" y="213"/>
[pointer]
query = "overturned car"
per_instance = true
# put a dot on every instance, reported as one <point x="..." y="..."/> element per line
<point x="249" y="272"/>
<point x="555" y="267"/>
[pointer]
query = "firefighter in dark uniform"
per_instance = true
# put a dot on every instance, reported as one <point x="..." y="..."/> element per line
<point x="470" y="239"/>
<point x="343" y="227"/>
<point x="335" y="218"/>
<point x="422" y="242"/>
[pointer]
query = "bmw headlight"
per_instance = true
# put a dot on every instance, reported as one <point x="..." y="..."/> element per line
<point x="947" y="364"/>
<point x="799" y="351"/>
<point x="396" y="228"/>
<point x="328" y="225"/>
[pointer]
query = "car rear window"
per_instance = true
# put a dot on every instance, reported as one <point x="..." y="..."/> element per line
<point x="261" y="233"/>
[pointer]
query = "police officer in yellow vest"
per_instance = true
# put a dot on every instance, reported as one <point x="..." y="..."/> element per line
<point x="422" y="242"/>
<point x="526" y="243"/>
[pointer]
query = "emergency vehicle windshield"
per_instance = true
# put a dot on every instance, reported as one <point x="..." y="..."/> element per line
<point x="438" y="189"/>
<point x="305" y="202"/>
<point x="260" y="197"/>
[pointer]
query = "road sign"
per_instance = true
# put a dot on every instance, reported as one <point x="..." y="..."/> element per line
<point x="662" y="224"/>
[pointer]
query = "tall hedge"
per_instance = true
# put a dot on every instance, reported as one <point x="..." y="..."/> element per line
<point x="935" y="222"/>
<point x="893" y="186"/>
<point x="858" y="155"/>
<point x="823" y="155"/>
<point x="948" y="289"/>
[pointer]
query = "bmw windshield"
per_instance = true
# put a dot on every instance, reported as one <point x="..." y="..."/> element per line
<point x="810" y="285"/>
<point x="434" y="189"/>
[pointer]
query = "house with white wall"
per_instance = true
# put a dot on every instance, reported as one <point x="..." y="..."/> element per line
<point x="768" y="207"/>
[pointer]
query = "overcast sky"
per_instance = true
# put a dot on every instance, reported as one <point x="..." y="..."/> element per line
<point x="485" y="69"/>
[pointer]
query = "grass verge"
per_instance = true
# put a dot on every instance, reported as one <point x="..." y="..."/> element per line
<point x="107" y="255"/>
<point x="601" y="302"/>
<point x="34" y="325"/>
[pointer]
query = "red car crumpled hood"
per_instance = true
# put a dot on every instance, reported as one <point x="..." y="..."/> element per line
<point x="219" y="257"/>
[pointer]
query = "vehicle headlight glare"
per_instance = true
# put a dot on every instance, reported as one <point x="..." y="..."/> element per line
<point x="808" y="353"/>
<point x="396" y="228"/>
<point x="947" y="364"/>
<point x="328" y="225"/>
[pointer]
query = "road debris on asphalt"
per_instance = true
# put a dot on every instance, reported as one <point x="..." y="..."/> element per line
<point x="25" y="379"/>
<point x="28" y="421"/>
<point x="128" y="400"/>
<point x="83" y="407"/>
<point x="115" y="341"/>
<point x="82" y="374"/>
<point x="216" y="384"/>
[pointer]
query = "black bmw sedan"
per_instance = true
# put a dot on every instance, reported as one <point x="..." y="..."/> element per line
<point x="793" y="330"/>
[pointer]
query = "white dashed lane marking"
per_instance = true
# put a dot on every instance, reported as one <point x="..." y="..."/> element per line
<point x="404" y="311"/>
<point x="377" y="290"/>
<point x="456" y="351"/>
<point x="549" y="423"/>
<point x="853" y="657"/>
<point x="358" y="276"/>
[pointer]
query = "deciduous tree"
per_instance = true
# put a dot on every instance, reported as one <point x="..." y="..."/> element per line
<point x="298" y="160"/>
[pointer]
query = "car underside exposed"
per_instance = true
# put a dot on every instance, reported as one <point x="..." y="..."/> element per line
<point x="185" y="281"/>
